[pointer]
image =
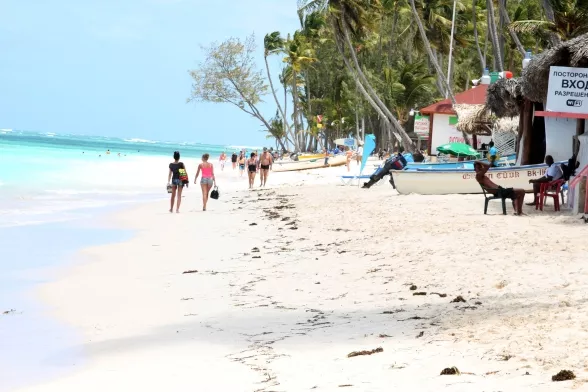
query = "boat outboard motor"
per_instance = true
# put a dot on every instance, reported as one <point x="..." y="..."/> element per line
<point x="397" y="162"/>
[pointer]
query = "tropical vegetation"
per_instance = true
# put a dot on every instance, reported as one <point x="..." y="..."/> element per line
<point x="362" y="66"/>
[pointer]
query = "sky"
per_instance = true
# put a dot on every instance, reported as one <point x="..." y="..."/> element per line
<point x="120" y="67"/>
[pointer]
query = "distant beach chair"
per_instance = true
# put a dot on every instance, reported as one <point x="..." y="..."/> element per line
<point x="348" y="180"/>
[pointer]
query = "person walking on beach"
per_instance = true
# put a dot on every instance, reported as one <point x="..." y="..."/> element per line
<point x="222" y="159"/>
<point x="241" y="164"/>
<point x="173" y="180"/>
<point x="348" y="154"/>
<point x="234" y="160"/>
<point x="516" y="195"/>
<point x="326" y="152"/>
<point x="208" y="179"/>
<point x="359" y="154"/>
<point x="265" y="163"/>
<point x="252" y="169"/>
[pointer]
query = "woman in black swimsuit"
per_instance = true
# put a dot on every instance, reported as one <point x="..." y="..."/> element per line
<point x="252" y="169"/>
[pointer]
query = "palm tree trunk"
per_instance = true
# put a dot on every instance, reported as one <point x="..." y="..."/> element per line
<point x="486" y="45"/>
<point x="515" y="38"/>
<point x="432" y="57"/>
<point x="401" y="133"/>
<point x="501" y="23"/>
<point x="475" y="23"/>
<point x="294" y="91"/>
<point x="554" y="39"/>
<point x="269" y="76"/>
<point x="494" y="34"/>
<point x="405" y="140"/>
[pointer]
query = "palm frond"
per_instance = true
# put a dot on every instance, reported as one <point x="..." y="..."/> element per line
<point x="530" y="26"/>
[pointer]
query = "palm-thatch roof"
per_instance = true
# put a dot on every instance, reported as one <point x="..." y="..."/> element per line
<point x="473" y="119"/>
<point x="504" y="97"/>
<point x="535" y="79"/>
<point x="507" y="124"/>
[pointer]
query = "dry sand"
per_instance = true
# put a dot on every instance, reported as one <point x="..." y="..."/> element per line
<point x="291" y="280"/>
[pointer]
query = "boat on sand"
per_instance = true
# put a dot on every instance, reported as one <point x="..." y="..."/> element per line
<point x="463" y="181"/>
<point x="504" y="161"/>
<point x="338" y="160"/>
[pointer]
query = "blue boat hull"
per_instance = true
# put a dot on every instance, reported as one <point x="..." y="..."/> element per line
<point x="448" y="165"/>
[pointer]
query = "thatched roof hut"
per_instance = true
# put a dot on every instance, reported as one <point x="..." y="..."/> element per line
<point x="507" y="124"/>
<point x="504" y="97"/>
<point x="473" y="119"/>
<point x="477" y="119"/>
<point x="535" y="79"/>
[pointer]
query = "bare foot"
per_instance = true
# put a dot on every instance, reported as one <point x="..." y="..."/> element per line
<point x="177" y="211"/>
<point x="171" y="210"/>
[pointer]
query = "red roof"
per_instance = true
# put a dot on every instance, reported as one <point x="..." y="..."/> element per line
<point x="473" y="96"/>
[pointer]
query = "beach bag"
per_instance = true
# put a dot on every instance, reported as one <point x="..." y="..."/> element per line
<point x="183" y="176"/>
<point x="214" y="194"/>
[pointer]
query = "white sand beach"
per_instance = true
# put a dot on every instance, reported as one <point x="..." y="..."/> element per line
<point x="289" y="280"/>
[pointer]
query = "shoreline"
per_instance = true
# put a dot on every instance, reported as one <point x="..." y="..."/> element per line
<point x="331" y="274"/>
<point x="33" y="341"/>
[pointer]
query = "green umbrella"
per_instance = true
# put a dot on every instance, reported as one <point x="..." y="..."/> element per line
<point x="458" y="149"/>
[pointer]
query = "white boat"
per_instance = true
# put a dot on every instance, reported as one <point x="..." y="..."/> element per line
<point x="445" y="182"/>
<point x="338" y="160"/>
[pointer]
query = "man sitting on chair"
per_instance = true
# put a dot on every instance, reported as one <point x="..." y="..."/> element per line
<point x="516" y="195"/>
<point x="553" y="173"/>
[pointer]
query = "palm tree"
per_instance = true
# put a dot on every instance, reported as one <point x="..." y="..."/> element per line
<point x="429" y="49"/>
<point x="274" y="43"/>
<point x="494" y="35"/>
<point x="565" y="19"/>
<point x="352" y="17"/>
<point x="476" y="39"/>
<point x="297" y="56"/>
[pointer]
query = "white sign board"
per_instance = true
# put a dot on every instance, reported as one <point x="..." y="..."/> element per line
<point x="444" y="131"/>
<point x="568" y="90"/>
<point x="421" y="126"/>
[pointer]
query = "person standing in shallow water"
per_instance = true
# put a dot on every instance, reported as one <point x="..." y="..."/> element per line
<point x="222" y="160"/>
<point x="173" y="180"/>
<point x="234" y="160"/>
<point x="241" y="164"/>
<point x="208" y="180"/>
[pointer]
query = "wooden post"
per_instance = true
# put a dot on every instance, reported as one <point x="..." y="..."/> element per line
<point x="526" y="123"/>
<point x="430" y="141"/>
<point x="475" y="141"/>
<point x="580" y="126"/>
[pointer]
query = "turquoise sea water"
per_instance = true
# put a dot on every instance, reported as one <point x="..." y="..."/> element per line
<point x="53" y="189"/>
<point x="51" y="177"/>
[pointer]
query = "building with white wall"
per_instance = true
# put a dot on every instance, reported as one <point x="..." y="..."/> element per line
<point x="443" y="119"/>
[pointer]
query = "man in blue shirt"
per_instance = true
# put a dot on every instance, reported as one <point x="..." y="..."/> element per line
<point x="493" y="152"/>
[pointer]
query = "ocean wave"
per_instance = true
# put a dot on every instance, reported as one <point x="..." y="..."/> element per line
<point x="5" y="130"/>
<point x="137" y="140"/>
<point x="244" y="147"/>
